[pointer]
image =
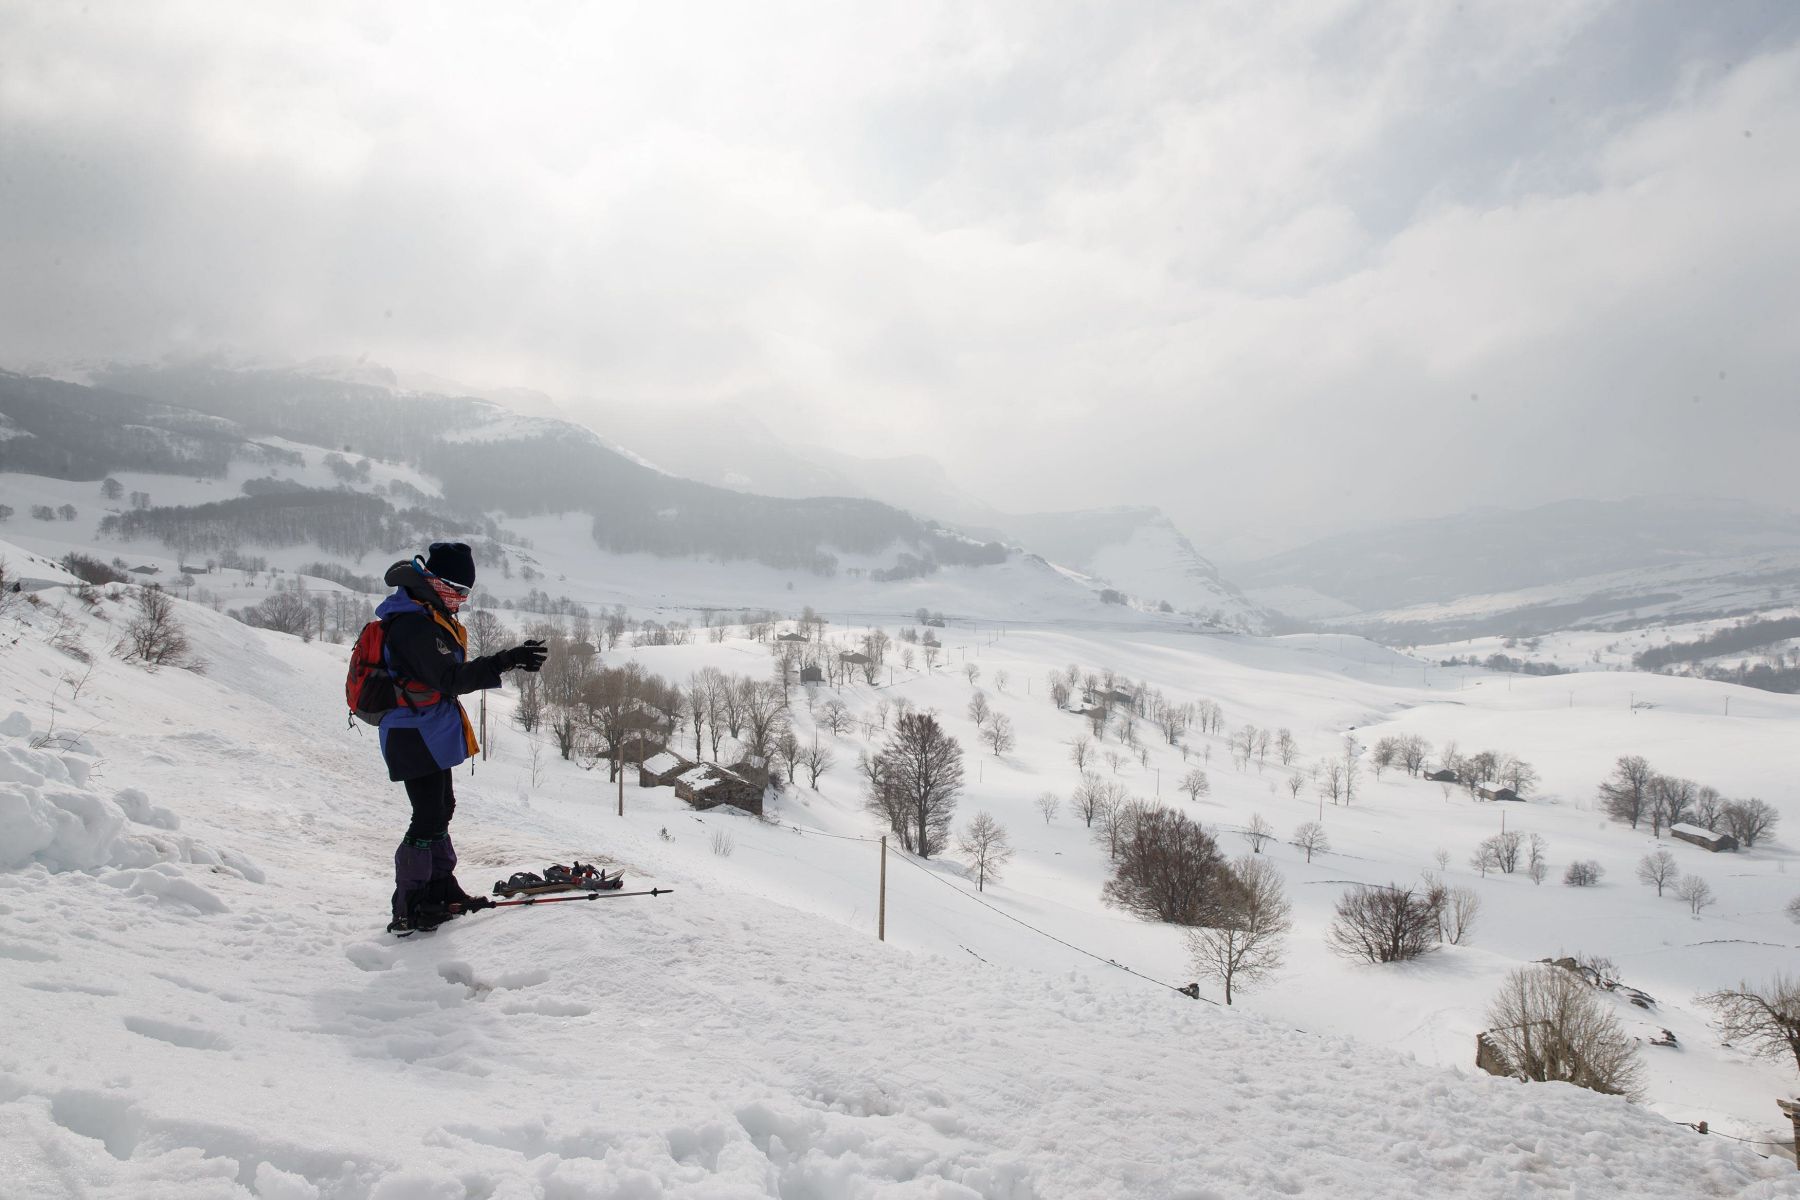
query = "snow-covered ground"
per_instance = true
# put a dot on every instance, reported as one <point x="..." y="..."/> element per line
<point x="194" y="868"/>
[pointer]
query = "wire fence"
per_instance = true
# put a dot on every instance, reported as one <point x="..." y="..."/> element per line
<point x="907" y="858"/>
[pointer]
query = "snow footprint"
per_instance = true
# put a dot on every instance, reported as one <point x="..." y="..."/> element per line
<point x="186" y="1036"/>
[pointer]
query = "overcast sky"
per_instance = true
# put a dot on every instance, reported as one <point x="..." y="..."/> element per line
<point x="1274" y="267"/>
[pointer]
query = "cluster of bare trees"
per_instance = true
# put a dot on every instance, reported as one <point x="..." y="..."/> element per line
<point x="1489" y="767"/>
<point x="1505" y="852"/>
<point x="1395" y="924"/>
<point x="1661" y="871"/>
<point x="1636" y="793"/>
<point x="1409" y="752"/>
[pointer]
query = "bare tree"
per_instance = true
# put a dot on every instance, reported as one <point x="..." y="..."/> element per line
<point x="984" y="841"/>
<point x="1582" y="873"/>
<point x="1311" y="839"/>
<point x="1414" y="750"/>
<point x="1331" y="779"/>
<point x="1659" y="869"/>
<point x="1709" y="808"/>
<point x="1258" y="833"/>
<point x="1195" y="784"/>
<point x="1749" y="820"/>
<point x="154" y="637"/>
<point x="972" y="673"/>
<point x="1626" y="795"/>
<point x="1243" y="944"/>
<point x="817" y="760"/>
<point x="1001" y="678"/>
<point x="1695" y="892"/>
<point x="998" y="733"/>
<point x="1383" y="924"/>
<point x="1169" y="869"/>
<point x="486" y="632"/>
<point x="1485" y="858"/>
<point x="1286" y="749"/>
<point x="787" y="752"/>
<point x="1087" y="798"/>
<point x="979" y="709"/>
<point x="1761" y="1020"/>
<point x="835" y="716"/>
<point x="1080" y="750"/>
<point x="1296" y="782"/>
<point x="1793" y="910"/>
<point x="920" y="777"/>
<point x="1049" y="806"/>
<point x="1537" y="866"/>
<point x="1352" y="769"/>
<point x="931" y="653"/>
<point x="1115" y="760"/>
<point x="1457" y="909"/>
<point x="1549" y="1025"/>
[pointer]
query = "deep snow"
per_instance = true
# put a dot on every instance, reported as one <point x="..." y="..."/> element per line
<point x="202" y="1006"/>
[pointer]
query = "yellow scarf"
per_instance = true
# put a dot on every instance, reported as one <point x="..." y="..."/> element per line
<point x="454" y="628"/>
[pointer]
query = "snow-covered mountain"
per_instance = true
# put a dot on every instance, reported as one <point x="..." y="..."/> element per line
<point x="1494" y="551"/>
<point x="1134" y="550"/>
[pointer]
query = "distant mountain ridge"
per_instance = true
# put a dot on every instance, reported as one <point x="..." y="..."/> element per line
<point x="1136" y="550"/>
<point x="1492" y="551"/>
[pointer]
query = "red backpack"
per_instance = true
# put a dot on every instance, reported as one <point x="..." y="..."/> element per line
<point x="370" y="688"/>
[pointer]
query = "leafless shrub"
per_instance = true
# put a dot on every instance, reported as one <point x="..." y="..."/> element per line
<point x="1384" y="924"/>
<point x="723" y="843"/>
<point x="1551" y="1026"/>
<point x="154" y="637"/>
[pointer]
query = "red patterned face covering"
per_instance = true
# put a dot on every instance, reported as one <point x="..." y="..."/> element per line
<point x="450" y="594"/>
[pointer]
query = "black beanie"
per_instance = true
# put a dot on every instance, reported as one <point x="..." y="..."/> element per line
<point x="452" y="561"/>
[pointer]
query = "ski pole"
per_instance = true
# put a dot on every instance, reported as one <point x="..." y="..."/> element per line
<point x="587" y="896"/>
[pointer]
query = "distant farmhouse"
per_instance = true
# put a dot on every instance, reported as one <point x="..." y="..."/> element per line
<point x="811" y="675"/>
<point x="662" y="769"/>
<point x="1491" y="792"/>
<point x="710" y="785"/>
<point x="1706" y="839"/>
<point x="1442" y="776"/>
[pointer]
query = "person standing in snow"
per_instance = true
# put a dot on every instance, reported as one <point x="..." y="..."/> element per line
<point x="428" y="733"/>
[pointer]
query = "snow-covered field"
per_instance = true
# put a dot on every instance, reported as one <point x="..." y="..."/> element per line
<point x="194" y="868"/>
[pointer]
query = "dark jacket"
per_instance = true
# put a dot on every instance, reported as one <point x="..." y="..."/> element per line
<point x="422" y="647"/>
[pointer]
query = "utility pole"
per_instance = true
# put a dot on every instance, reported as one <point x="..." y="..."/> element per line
<point x="881" y="920"/>
<point x="619" y="767"/>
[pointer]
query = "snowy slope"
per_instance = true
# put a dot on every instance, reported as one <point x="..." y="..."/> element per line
<point x="209" y="945"/>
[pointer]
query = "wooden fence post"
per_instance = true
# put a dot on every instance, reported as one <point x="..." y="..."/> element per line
<point x="881" y="921"/>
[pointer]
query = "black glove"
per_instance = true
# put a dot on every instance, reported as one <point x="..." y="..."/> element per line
<point x="528" y="657"/>
<point x="476" y="903"/>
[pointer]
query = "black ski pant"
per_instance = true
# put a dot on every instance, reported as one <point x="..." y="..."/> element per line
<point x="425" y="862"/>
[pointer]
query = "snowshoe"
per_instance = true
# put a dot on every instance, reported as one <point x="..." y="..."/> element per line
<point x="582" y="877"/>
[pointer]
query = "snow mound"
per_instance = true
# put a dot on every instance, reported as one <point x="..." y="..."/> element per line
<point x="51" y="818"/>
